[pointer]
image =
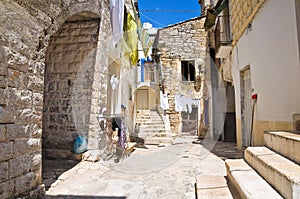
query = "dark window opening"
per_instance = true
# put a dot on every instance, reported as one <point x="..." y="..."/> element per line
<point x="188" y="71"/>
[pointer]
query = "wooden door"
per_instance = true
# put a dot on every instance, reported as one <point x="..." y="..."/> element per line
<point x="142" y="99"/>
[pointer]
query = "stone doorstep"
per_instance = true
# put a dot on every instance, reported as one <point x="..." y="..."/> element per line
<point x="284" y="143"/>
<point x="130" y="147"/>
<point x="247" y="182"/>
<point x="278" y="171"/>
<point x="212" y="187"/>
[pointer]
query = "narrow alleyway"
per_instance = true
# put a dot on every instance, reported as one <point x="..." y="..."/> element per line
<point x="149" y="172"/>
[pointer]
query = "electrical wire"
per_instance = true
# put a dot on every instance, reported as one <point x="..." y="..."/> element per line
<point x="169" y="11"/>
<point x="153" y="20"/>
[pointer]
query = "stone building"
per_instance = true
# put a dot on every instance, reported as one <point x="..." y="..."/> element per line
<point x="261" y="68"/>
<point x="56" y="62"/>
<point x="257" y="53"/>
<point x="222" y="104"/>
<point x="182" y="50"/>
<point x="250" y="59"/>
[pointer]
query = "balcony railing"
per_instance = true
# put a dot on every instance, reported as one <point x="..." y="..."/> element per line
<point x="147" y="73"/>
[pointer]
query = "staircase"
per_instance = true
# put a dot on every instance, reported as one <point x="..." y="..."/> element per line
<point x="270" y="171"/>
<point x="151" y="128"/>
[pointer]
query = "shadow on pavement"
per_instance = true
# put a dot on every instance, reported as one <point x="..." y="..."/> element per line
<point x="84" y="197"/>
<point x="224" y="150"/>
<point x="52" y="169"/>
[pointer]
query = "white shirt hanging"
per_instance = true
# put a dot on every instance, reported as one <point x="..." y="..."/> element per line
<point x="164" y="104"/>
<point x="114" y="81"/>
<point x="178" y="103"/>
<point x="117" y="18"/>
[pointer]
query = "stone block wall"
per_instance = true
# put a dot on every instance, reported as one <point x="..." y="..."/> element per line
<point x="240" y="12"/>
<point x="185" y="41"/>
<point x="70" y="62"/>
<point x="26" y="27"/>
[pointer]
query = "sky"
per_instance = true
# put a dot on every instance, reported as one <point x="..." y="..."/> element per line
<point x="162" y="19"/>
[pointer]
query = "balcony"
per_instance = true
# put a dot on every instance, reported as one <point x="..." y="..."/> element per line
<point x="223" y="37"/>
<point x="147" y="74"/>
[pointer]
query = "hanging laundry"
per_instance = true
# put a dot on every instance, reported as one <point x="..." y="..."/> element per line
<point x="131" y="38"/>
<point x="181" y="103"/>
<point x="114" y="81"/>
<point x="184" y="103"/>
<point x="164" y="104"/>
<point x="178" y="103"/>
<point x="144" y="37"/>
<point x="189" y="104"/>
<point x="117" y="19"/>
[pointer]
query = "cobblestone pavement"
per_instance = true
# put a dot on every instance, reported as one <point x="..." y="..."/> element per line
<point x="148" y="173"/>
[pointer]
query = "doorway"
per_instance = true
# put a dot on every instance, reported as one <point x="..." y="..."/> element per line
<point x="246" y="106"/>
<point x="142" y="99"/>
<point x="230" y="121"/>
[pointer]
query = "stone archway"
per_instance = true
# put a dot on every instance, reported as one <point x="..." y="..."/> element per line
<point x="70" y="61"/>
<point x="69" y="75"/>
<point x="24" y="39"/>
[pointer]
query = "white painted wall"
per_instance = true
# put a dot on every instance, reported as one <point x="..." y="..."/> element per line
<point x="271" y="49"/>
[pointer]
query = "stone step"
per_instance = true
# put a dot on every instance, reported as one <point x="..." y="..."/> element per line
<point x="151" y="126"/>
<point x="143" y="111"/>
<point x="278" y="171"/>
<point x="151" y="132"/>
<point x="157" y="116"/>
<point x="148" y="121"/>
<point x="149" y="117"/>
<point x="158" y="140"/>
<point x="248" y="183"/>
<point x="212" y="187"/>
<point x="155" y="134"/>
<point x="151" y="129"/>
<point x="145" y="122"/>
<point x="130" y="146"/>
<point x="147" y="113"/>
<point x="143" y="117"/>
<point x="284" y="143"/>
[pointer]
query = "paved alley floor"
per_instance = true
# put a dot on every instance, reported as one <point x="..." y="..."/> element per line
<point x="150" y="172"/>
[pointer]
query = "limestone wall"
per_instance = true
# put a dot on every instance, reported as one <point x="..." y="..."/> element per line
<point x="69" y="72"/>
<point x="184" y="41"/>
<point x="26" y="27"/>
